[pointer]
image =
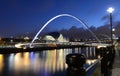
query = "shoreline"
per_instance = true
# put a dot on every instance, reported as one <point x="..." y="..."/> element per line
<point x="15" y="50"/>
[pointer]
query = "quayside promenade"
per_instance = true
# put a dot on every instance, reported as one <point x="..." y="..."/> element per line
<point x="116" y="65"/>
<point x="115" y="69"/>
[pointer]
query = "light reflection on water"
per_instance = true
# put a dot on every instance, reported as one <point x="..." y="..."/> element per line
<point x="1" y="62"/>
<point x="44" y="63"/>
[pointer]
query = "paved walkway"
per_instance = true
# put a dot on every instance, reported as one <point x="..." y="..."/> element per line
<point x="116" y="65"/>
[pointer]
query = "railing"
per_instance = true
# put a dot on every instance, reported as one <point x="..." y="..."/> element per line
<point x="76" y="63"/>
<point x="96" y="62"/>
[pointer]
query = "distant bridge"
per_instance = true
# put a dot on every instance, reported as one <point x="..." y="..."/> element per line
<point x="55" y="44"/>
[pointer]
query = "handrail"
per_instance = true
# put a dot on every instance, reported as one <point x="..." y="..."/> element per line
<point x="93" y="65"/>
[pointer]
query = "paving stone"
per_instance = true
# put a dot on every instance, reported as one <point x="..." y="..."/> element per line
<point x="116" y="65"/>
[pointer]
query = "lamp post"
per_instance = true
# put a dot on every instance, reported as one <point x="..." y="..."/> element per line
<point x="110" y="10"/>
<point x="111" y="53"/>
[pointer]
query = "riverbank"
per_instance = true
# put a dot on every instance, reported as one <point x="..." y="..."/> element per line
<point x="15" y="50"/>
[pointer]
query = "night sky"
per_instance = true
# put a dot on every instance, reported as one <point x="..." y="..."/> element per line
<point x="21" y="16"/>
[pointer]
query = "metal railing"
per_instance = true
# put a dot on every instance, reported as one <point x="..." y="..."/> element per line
<point x="76" y="63"/>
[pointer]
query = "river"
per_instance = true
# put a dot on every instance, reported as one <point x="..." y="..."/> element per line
<point x="41" y="63"/>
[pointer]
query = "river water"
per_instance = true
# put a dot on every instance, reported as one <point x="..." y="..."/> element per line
<point x="41" y="63"/>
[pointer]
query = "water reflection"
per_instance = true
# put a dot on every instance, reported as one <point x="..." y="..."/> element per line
<point x="43" y="63"/>
<point x="1" y="62"/>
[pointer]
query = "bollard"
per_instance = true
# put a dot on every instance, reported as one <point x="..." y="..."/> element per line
<point x="75" y="64"/>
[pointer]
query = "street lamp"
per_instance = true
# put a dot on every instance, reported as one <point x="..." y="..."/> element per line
<point x="111" y="50"/>
<point x="110" y="10"/>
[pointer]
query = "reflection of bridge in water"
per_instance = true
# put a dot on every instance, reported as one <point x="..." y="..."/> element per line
<point x="88" y="49"/>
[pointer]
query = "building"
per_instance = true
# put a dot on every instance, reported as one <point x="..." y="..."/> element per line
<point x="54" y="37"/>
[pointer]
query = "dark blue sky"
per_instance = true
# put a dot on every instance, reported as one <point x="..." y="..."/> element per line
<point x="21" y="16"/>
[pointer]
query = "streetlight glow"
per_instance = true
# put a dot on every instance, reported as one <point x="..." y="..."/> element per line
<point x="110" y="9"/>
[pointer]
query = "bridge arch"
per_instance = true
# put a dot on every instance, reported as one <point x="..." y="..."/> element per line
<point x="61" y="15"/>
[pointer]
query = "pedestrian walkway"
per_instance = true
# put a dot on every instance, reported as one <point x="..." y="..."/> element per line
<point x="116" y="65"/>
